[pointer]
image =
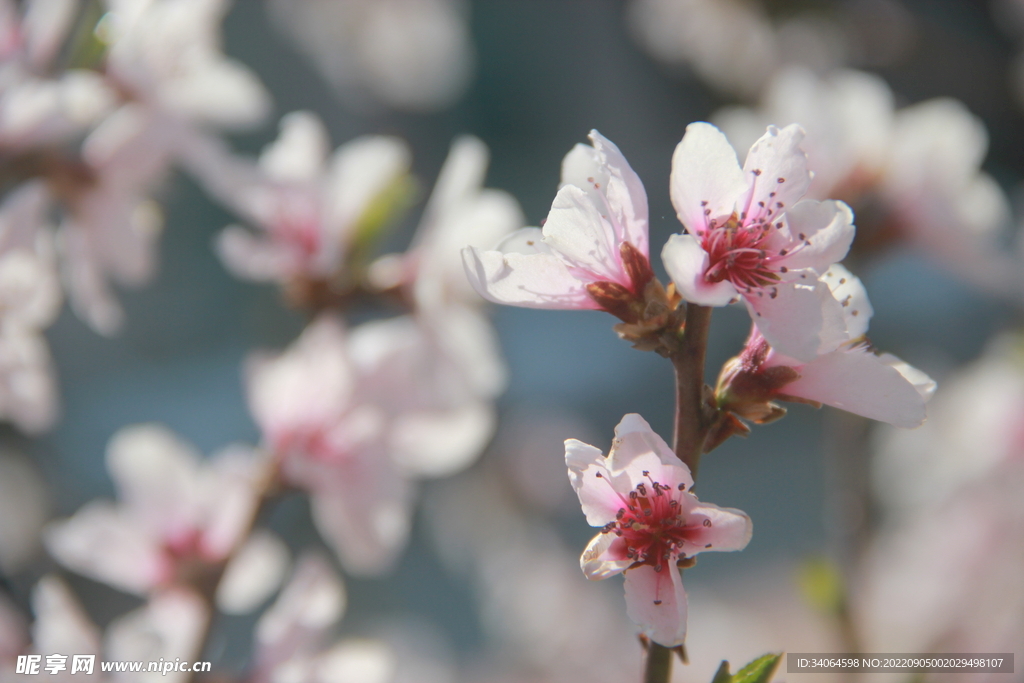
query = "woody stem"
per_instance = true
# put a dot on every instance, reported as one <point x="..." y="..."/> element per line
<point x="691" y="420"/>
<point x="691" y="429"/>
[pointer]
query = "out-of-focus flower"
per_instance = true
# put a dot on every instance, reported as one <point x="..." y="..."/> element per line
<point x="737" y="45"/>
<point x="178" y="521"/>
<point x="543" y="622"/>
<point x="331" y="443"/>
<point x="913" y="173"/>
<point x="168" y="627"/>
<point x="460" y="212"/>
<point x="749" y="235"/>
<point x="640" y="495"/>
<point x="730" y="43"/>
<point x="30" y="300"/>
<point x="407" y="54"/>
<point x="38" y="108"/>
<point x="592" y="252"/>
<point x="292" y="637"/>
<point x="297" y="624"/>
<point x="849" y="376"/>
<point x="313" y="210"/>
<point x="961" y="476"/>
<point x="354" y="418"/>
<point x="167" y="55"/>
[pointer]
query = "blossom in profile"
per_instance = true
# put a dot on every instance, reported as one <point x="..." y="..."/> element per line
<point x="851" y="376"/>
<point x="592" y="252"/>
<point x="651" y="523"/>
<point x="179" y="520"/>
<point x="749" y="236"/>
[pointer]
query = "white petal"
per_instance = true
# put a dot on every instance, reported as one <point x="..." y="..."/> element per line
<point x="156" y="474"/>
<point x="311" y="603"/>
<point x="61" y="624"/>
<point x="626" y="196"/>
<point x="582" y="235"/>
<point x="860" y="382"/>
<point x="461" y="177"/>
<point x="169" y="627"/>
<point x="364" y="515"/>
<point x="253" y="258"/>
<point x="533" y="281"/>
<point x="439" y="443"/>
<point x="849" y="291"/>
<point x="102" y="544"/>
<point x="706" y="177"/>
<point x="639" y="455"/>
<point x="686" y="262"/>
<point x="924" y="384"/>
<point x="590" y="478"/>
<point x="802" y="320"/>
<point x="656" y="602"/>
<point x="776" y="164"/>
<point x="360" y="171"/>
<point x="300" y="152"/>
<point x="729" y="529"/>
<point x="828" y="232"/>
<point x="253" y="573"/>
<point x="604" y="556"/>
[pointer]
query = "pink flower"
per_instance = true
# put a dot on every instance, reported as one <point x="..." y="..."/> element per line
<point x="593" y="242"/>
<point x="749" y="236"/>
<point x="640" y="495"/>
<point x="307" y="204"/>
<point x="177" y="513"/>
<point x="850" y="376"/>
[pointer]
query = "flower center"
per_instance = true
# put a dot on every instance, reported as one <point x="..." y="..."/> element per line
<point x="652" y="524"/>
<point x="737" y="252"/>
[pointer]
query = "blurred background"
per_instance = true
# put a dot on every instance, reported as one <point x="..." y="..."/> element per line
<point x="493" y="594"/>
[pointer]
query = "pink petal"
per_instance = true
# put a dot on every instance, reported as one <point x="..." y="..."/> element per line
<point x="590" y="478"/>
<point x="802" y="320"/>
<point x="638" y="449"/>
<point x="604" y="556"/>
<point x="776" y="167"/>
<point x="582" y="236"/>
<point x="656" y="602"/>
<point x="706" y="177"/>
<point x="828" y="230"/>
<point x="860" y="382"/>
<point x="627" y="198"/>
<point x="105" y="545"/>
<point x="362" y="509"/>
<point x="729" y="529"/>
<point x="849" y="291"/>
<point x="537" y="280"/>
<point x="686" y="262"/>
<point x="441" y="442"/>
<point x="300" y="152"/>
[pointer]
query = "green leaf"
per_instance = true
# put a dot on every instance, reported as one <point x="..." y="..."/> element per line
<point x="760" y="670"/>
<point x="722" y="675"/>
